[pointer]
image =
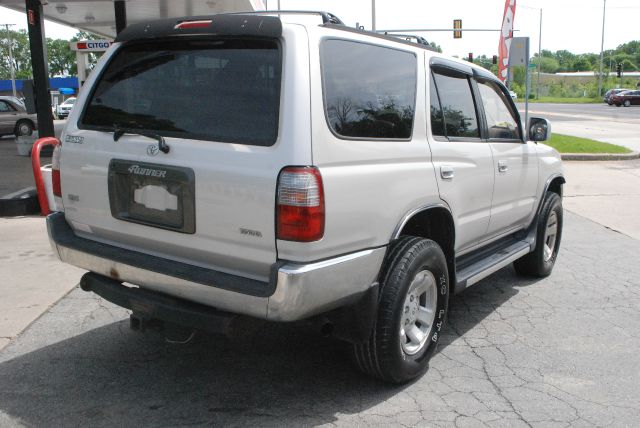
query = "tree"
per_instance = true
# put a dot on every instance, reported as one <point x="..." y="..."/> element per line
<point x="21" y="54"/>
<point x="581" y="64"/>
<point x="435" y="46"/>
<point x="565" y="59"/>
<point x="62" y="60"/>
<point x="547" y="64"/>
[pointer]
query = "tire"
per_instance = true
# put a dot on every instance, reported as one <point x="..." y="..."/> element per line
<point x="413" y="267"/>
<point x="539" y="263"/>
<point x="23" y="127"/>
<point x="627" y="103"/>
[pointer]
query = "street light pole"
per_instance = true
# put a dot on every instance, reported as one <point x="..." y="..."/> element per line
<point x="13" y="71"/>
<point x="604" y="13"/>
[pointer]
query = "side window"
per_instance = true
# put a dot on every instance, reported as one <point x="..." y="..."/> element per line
<point x="458" y="109"/>
<point x="437" y="121"/>
<point x="369" y="91"/>
<point x="4" y="107"/>
<point x="501" y="121"/>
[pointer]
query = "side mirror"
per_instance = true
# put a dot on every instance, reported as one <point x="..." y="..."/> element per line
<point x="539" y="129"/>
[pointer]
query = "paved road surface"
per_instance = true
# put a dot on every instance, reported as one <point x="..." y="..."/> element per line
<point x="610" y="124"/>
<point x="547" y="353"/>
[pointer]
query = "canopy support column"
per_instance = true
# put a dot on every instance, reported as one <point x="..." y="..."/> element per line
<point x="35" y="21"/>
<point x="120" y="9"/>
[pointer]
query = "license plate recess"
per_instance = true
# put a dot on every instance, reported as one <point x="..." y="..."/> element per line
<point x="156" y="195"/>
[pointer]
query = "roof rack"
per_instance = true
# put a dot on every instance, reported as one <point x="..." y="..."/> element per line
<point x="409" y="37"/>
<point x="327" y="18"/>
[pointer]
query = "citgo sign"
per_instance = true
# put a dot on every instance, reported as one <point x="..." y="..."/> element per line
<point x="91" y="45"/>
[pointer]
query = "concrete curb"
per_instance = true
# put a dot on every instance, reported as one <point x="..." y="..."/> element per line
<point x="600" y="156"/>
<point x="20" y="203"/>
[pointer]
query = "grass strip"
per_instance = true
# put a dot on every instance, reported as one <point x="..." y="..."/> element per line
<point x="570" y="144"/>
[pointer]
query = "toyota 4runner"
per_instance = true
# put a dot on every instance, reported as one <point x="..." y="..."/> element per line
<point x="287" y="167"/>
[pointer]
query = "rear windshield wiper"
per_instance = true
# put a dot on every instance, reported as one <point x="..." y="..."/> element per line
<point x="162" y="144"/>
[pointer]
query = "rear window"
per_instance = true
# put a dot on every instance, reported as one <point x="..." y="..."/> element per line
<point x="220" y="90"/>
<point x="369" y="91"/>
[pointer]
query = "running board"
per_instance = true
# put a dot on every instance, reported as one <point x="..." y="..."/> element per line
<point x="484" y="267"/>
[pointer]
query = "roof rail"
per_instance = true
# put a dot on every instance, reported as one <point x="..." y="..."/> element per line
<point x="327" y="18"/>
<point x="410" y="38"/>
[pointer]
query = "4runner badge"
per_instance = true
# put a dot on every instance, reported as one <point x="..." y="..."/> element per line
<point x="138" y="170"/>
<point x="152" y="150"/>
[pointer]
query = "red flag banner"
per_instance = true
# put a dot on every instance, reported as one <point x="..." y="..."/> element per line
<point x="506" y="34"/>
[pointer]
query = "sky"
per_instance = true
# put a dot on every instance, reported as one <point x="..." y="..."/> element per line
<point x="574" y="25"/>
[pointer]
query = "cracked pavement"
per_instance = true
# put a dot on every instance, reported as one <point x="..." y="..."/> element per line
<point x="562" y="351"/>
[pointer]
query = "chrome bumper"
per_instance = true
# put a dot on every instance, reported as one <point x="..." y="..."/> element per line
<point x="295" y="291"/>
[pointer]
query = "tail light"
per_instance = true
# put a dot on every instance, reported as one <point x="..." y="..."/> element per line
<point x="55" y="172"/>
<point x="300" y="205"/>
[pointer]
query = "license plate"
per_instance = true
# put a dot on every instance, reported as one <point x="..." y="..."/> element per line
<point x="156" y="195"/>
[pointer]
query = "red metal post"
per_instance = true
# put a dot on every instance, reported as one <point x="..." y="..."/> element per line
<point x="37" y="172"/>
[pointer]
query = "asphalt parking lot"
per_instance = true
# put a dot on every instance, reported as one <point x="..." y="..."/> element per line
<point x="555" y="352"/>
<point x="562" y="351"/>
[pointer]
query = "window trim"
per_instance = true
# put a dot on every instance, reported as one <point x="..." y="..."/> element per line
<point x="324" y="97"/>
<point x="169" y="134"/>
<point x="441" y="67"/>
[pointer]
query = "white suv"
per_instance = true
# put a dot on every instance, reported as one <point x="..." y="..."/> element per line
<point x="287" y="167"/>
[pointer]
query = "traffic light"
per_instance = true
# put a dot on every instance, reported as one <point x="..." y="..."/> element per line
<point x="495" y="59"/>
<point x="470" y="56"/>
<point x="457" y="28"/>
<point x="619" y="69"/>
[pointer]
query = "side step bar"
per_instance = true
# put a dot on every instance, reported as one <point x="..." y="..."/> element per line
<point x="484" y="267"/>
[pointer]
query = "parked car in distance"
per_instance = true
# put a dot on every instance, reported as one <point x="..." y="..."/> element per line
<point x="626" y="98"/>
<point x="513" y="94"/>
<point x="64" y="109"/>
<point x="14" y="118"/>
<point x="611" y="92"/>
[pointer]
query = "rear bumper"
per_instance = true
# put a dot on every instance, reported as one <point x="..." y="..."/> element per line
<point x="295" y="291"/>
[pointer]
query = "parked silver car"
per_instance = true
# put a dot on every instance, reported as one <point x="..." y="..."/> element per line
<point x="63" y="110"/>
<point x="14" y="118"/>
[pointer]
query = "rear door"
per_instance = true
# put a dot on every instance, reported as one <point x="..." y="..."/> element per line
<point x="216" y="103"/>
<point x="462" y="160"/>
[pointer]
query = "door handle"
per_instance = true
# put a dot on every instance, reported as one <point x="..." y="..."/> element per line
<point x="503" y="166"/>
<point x="446" y="172"/>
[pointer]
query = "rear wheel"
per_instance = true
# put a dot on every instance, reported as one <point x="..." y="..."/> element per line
<point x="24" y="127"/>
<point x="627" y="103"/>
<point x="411" y="312"/>
<point x="540" y="261"/>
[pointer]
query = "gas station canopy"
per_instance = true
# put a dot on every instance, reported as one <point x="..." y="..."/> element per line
<point x="97" y="16"/>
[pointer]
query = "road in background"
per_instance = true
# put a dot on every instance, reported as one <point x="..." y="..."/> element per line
<point x="601" y="122"/>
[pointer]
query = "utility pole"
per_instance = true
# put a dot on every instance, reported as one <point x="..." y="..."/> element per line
<point x="13" y="71"/>
<point x="373" y="15"/>
<point x="539" y="57"/>
<point x="604" y="12"/>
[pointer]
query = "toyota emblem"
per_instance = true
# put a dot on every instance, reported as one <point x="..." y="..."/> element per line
<point x="152" y="150"/>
